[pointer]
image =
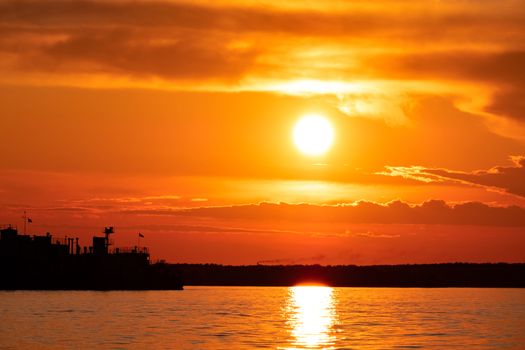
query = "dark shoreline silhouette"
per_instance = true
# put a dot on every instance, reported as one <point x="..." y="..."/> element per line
<point x="489" y="275"/>
<point x="47" y="263"/>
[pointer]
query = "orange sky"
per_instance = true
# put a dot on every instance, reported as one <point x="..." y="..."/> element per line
<point x="175" y="119"/>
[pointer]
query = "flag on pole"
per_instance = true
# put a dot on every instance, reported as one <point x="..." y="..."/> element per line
<point x="141" y="235"/>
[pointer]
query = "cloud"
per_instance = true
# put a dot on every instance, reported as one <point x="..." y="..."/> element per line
<point x="430" y="212"/>
<point x="123" y="52"/>
<point x="493" y="66"/>
<point x="508" y="179"/>
<point x="175" y="40"/>
<point x="198" y="229"/>
<point x="233" y="17"/>
<point x="369" y="234"/>
<point x="500" y="69"/>
<point x="199" y="199"/>
<point x="391" y="109"/>
<point x="509" y="101"/>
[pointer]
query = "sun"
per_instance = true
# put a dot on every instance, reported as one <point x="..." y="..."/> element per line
<point x="313" y="135"/>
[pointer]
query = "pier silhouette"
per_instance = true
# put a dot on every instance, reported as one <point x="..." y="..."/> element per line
<point x="47" y="262"/>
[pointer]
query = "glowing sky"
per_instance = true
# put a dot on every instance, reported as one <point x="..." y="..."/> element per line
<point x="175" y="119"/>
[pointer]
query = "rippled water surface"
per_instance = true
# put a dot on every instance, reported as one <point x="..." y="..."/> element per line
<point x="262" y="317"/>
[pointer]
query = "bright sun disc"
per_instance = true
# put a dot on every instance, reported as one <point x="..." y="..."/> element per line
<point x="313" y="135"/>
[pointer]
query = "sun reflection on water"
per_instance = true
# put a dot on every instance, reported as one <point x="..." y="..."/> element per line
<point x="311" y="315"/>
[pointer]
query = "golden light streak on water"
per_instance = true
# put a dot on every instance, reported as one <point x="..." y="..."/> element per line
<point x="312" y="315"/>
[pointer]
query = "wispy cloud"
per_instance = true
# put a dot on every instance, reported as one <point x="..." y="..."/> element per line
<point x="510" y="179"/>
<point x="369" y="234"/>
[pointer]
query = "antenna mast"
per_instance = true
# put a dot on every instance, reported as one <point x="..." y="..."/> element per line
<point x="108" y="231"/>
<point x="25" y="221"/>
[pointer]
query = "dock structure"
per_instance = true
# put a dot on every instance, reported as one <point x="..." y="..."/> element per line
<point x="48" y="262"/>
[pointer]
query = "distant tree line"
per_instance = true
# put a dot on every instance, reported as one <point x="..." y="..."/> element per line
<point x="421" y="275"/>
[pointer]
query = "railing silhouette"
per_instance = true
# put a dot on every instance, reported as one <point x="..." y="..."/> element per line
<point x="130" y="250"/>
<point x="59" y="240"/>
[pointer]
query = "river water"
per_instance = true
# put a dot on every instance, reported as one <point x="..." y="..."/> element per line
<point x="265" y="317"/>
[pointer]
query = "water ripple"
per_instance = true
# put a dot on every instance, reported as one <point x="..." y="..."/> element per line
<point x="265" y="318"/>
